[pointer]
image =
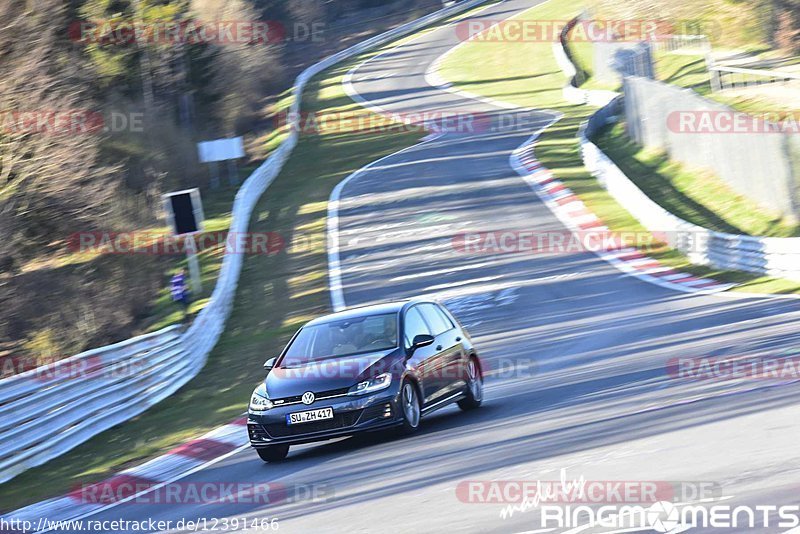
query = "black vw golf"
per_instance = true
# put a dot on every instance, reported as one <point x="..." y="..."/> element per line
<point x="364" y="369"/>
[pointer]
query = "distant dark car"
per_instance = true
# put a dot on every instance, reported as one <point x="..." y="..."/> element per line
<point x="364" y="369"/>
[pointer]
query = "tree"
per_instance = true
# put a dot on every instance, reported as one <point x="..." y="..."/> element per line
<point x="241" y="73"/>
<point x="787" y="25"/>
<point x="51" y="175"/>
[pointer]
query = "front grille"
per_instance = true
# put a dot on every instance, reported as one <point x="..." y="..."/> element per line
<point x="319" y="396"/>
<point x="340" y="420"/>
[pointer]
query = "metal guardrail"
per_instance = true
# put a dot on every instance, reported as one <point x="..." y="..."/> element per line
<point x="758" y="72"/>
<point x="47" y="411"/>
<point x="774" y="256"/>
<point x="571" y="92"/>
<point x="672" y="43"/>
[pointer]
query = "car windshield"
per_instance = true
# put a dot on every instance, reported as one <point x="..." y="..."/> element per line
<point x="355" y="335"/>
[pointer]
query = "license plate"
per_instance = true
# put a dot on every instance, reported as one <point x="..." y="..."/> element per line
<point x="307" y="417"/>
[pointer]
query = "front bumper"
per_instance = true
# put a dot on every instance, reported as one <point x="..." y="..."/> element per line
<point x="351" y="415"/>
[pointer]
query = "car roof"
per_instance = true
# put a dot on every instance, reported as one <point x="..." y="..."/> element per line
<point x="360" y="311"/>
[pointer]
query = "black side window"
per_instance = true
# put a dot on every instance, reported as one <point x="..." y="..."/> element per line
<point x="445" y="316"/>
<point x="434" y="317"/>
<point x="414" y="325"/>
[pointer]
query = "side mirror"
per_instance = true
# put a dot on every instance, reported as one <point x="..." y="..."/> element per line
<point x="421" y="340"/>
<point x="269" y="364"/>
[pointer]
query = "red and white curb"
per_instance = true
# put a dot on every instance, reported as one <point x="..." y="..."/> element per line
<point x="577" y="217"/>
<point x="130" y="483"/>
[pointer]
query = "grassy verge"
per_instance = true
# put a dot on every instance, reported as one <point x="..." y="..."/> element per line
<point x="508" y="74"/>
<point x="684" y="70"/>
<point x="728" y="24"/>
<point x="697" y="197"/>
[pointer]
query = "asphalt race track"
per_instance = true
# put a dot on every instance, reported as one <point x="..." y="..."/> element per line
<point x="577" y="351"/>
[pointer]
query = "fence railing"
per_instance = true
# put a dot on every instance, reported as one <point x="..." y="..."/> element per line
<point x="47" y="411"/>
<point x="674" y="43"/>
<point x="571" y="91"/>
<point x="725" y="77"/>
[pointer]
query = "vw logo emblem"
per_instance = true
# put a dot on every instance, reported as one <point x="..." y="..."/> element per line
<point x="308" y="397"/>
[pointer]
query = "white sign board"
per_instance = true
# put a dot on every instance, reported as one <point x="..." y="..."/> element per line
<point x="220" y="149"/>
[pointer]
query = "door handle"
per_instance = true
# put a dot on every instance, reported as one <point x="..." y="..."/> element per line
<point x="458" y="339"/>
<point x="438" y="347"/>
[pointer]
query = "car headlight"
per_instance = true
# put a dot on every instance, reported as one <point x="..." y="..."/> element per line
<point x="259" y="402"/>
<point x="372" y="385"/>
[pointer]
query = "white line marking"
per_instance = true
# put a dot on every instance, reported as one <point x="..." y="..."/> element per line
<point x="438" y="272"/>
<point x="334" y="264"/>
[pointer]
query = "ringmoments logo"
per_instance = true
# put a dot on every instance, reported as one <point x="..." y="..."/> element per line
<point x="665" y="516"/>
<point x="578" y="503"/>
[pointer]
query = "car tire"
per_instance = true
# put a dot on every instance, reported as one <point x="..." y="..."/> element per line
<point x="273" y="453"/>
<point x="410" y="407"/>
<point x="473" y="396"/>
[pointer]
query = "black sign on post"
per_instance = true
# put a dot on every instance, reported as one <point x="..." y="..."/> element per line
<point x="184" y="211"/>
<point x="185" y="216"/>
